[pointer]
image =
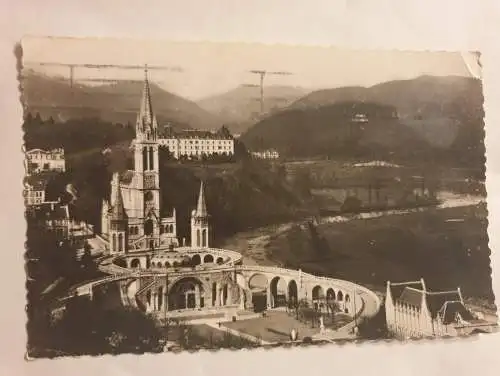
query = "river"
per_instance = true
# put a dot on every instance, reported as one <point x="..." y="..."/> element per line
<point x="252" y="244"/>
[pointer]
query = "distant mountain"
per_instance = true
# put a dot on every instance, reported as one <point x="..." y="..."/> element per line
<point x="425" y="95"/>
<point x="118" y="103"/>
<point x="329" y="131"/>
<point x="240" y="107"/>
<point x="434" y="106"/>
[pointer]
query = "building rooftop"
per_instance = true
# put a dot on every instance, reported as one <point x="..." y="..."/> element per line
<point x="38" y="182"/>
<point x="169" y="132"/>
<point x="412" y="292"/>
<point x="398" y="288"/>
<point x="50" y="211"/>
<point x="52" y="151"/>
<point x="411" y="296"/>
<point x="436" y="300"/>
<point x="450" y="310"/>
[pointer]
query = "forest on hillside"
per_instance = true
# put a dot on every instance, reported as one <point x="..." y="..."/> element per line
<point x="329" y="132"/>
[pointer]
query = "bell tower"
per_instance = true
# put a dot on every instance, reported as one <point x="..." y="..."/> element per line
<point x="146" y="162"/>
<point x="200" y="222"/>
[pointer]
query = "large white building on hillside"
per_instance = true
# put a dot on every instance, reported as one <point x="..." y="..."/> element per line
<point x="195" y="143"/>
<point x="38" y="160"/>
<point x="135" y="219"/>
<point x="412" y="311"/>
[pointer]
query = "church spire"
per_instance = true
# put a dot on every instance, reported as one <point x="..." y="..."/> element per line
<point x="146" y="120"/>
<point x="201" y="210"/>
<point x="118" y="211"/>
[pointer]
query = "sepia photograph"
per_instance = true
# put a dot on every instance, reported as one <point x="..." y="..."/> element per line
<point x="195" y="195"/>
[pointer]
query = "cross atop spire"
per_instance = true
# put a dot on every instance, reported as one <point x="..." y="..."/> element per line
<point x="146" y="121"/>
<point x="201" y="209"/>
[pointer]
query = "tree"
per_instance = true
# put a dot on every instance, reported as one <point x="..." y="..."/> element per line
<point x="85" y="328"/>
<point x="375" y="327"/>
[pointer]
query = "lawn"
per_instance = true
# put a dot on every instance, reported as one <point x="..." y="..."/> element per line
<point x="447" y="247"/>
<point x="275" y="327"/>
<point x="204" y="336"/>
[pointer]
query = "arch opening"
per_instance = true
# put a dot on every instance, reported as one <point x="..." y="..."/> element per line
<point x="186" y="293"/>
<point x="135" y="263"/>
<point x="258" y="285"/>
<point x="278" y="292"/>
<point x="208" y="259"/>
<point x="293" y="294"/>
<point x="318" y="297"/>
<point x="196" y="260"/>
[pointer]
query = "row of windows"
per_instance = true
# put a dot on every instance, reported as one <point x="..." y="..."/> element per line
<point x="209" y="148"/>
<point x="168" y="229"/>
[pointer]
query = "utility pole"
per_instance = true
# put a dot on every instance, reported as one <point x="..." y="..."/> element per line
<point x="262" y="74"/>
<point x="167" y="327"/>
<point x="72" y="67"/>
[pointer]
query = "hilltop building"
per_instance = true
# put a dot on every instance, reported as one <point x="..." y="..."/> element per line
<point x="135" y="219"/>
<point x="38" y="160"/>
<point x="34" y="190"/>
<point x="266" y="154"/>
<point x="196" y="143"/>
<point x="413" y="311"/>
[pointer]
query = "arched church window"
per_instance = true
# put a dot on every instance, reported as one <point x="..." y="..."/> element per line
<point x="148" y="227"/>
<point x="145" y="159"/>
<point x="148" y="196"/>
<point x="197" y="238"/>
<point x="120" y="242"/>
<point x="151" y="159"/>
<point x="204" y="238"/>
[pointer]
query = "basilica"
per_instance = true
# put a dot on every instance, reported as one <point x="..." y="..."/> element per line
<point x="134" y="219"/>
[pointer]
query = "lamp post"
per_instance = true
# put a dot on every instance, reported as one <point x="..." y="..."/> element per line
<point x="166" y="305"/>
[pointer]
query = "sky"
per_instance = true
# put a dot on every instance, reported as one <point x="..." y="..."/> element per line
<point x="213" y="68"/>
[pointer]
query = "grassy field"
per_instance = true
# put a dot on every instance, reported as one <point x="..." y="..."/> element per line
<point x="274" y="327"/>
<point x="447" y="247"/>
<point x="204" y="336"/>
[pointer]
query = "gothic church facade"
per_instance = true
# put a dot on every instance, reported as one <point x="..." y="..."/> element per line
<point x="134" y="219"/>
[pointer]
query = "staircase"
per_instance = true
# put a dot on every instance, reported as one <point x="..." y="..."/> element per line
<point x="150" y="282"/>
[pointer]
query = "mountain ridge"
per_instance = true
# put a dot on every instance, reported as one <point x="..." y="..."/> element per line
<point x="117" y="103"/>
<point x="240" y="106"/>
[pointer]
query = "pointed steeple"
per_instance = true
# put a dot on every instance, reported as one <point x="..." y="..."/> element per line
<point x="146" y="120"/>
<point x="201" y="209"/>
<point x="118" y="211"/>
